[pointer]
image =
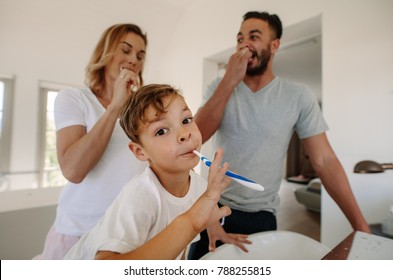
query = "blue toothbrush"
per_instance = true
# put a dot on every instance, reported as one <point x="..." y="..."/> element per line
<point x="238" y="178"/>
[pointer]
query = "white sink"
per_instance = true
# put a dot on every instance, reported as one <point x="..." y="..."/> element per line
<point x="272" y="245"/>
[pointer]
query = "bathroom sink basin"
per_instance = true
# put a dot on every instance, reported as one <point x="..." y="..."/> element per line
<point x="272" y="245"/>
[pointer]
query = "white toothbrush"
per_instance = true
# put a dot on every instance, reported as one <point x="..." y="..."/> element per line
<point x="238" y="178"/>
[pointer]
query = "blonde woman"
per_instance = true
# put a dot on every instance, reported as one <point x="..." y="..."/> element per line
<point x="92" y="148"/>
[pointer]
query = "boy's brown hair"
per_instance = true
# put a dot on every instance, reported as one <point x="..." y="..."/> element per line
<point x="132" y="114"/>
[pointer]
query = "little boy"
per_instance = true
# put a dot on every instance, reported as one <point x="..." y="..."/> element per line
<point x="143" y="222"/>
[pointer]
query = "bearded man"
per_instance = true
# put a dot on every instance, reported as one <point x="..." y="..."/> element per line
<point x="252" y="114"/>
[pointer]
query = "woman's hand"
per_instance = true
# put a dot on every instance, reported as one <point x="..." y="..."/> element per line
<point x="126" y="83"/>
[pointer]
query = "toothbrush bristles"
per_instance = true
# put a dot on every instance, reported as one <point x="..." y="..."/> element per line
<point x="197" y="153"/>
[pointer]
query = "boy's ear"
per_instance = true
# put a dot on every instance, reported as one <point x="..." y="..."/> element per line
<point x="138" y="151"/>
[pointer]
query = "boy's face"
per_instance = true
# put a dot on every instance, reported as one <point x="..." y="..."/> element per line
<point x="167" y="141"/>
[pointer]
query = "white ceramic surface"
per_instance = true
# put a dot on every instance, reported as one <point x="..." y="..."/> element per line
<point x="371" y="247"/>
<point x="272" y="245"/>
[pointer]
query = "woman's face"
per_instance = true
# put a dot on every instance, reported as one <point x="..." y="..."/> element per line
<point x="129" y="54"/>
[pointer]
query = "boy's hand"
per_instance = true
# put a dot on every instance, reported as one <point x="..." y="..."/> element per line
<point x="205" y="210"/>
<point x="216" y="232"/>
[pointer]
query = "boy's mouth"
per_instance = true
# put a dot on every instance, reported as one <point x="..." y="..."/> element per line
<point x="189" y="153"/>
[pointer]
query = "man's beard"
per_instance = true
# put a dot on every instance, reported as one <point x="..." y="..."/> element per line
<point x="264" y="58"/>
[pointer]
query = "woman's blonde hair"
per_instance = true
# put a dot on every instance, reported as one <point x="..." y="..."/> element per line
<point x="132" y="115"/>
<point x="103" y="52"/>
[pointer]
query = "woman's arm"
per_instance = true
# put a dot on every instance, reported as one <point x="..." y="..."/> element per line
<point x="78" y="151"/>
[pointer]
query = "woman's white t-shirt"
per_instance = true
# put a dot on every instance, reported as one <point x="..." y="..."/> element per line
<point x="82" y="205"/>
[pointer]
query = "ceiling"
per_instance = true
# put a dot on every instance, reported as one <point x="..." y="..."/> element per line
<point x="179" y="4"/>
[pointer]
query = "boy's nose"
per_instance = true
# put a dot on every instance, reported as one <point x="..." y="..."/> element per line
<point x="184" y="136"/>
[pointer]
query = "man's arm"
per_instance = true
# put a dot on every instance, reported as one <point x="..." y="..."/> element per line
<point x="209" y="117"/>
<point x="332" y="174"/>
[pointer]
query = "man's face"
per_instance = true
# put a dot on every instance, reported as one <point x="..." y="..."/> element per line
<point x="256" y="35"/>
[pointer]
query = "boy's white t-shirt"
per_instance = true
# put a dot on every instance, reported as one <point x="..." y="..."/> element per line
<point x="142" y="210"/>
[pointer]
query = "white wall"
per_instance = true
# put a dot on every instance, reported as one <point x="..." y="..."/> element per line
<point x="52" y="40"/>
<point x="23" y="232"/>
<point x="357" y="77"/>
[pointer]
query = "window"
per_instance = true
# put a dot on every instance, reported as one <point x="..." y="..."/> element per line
<point x="50" y="173"/>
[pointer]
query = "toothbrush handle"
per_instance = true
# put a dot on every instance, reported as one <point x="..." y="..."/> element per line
<point x="228" y="173"/>
<point x="237" y="176"/>
<point x="240" y="179"/>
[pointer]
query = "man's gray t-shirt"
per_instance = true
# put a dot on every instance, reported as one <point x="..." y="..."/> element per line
<point x="255" y="133"/>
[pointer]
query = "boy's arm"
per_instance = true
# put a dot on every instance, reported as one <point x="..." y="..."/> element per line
<point x="168" y="244"/>
<point x="216" y="232"/>
<point x="172" y="240"/>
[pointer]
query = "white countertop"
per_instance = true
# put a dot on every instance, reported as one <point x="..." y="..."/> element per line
<point x="373" y="192"/>
<point x="371" y="247"/>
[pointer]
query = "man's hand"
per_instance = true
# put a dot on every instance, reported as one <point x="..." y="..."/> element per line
<point x="237" y="66"/>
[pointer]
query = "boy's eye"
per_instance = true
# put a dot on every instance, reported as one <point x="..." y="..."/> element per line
<point x="161" y="131"/>
<point x="188" y="120"/>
